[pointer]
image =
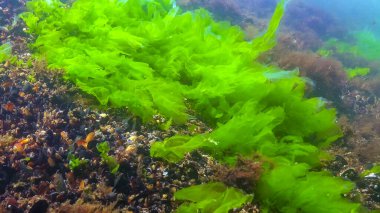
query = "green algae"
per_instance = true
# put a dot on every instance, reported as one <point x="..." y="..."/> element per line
<point x="304" y="191"/>
<point x="5" y="51"/>
<point x="365" y="45"/>
<point x="103" y="149"/>
<point x="357" y="71"/>
<point x="218" y="199"/>
<point x="151" y="57"/>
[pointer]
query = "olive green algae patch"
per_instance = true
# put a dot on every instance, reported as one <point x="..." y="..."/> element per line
<point x="151" y="57"/>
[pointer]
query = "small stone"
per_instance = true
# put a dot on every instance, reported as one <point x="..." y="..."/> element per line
<point x="103" y="115"/>
<point x="132" y="139"/>
<point x="173" y="189"/>
<point x="164" y="197"/>
<point x="131" y="149"/>
<point x="150" y="187"/>
<point x="51" y="162"/>
<point x="350" y="174"/>
<point x="40" y="206"/>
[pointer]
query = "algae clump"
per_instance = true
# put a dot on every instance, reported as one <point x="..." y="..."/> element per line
<point x="218" y="199"/>
<point x="5" y="51"/>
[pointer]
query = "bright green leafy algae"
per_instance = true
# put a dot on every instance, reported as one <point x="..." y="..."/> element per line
<point x="218" y="199"/>
<point x="5" y="51"/>
<point x="173" y="149"/>
<point x="111" y="162"/>
<point x="151" y="57"/>
<point x="76" y="163"/>
<point x="304" y="191"/>
<point x="267" y="41"/>
<point x="139" y="55"/>
<point x="357" y="71"/>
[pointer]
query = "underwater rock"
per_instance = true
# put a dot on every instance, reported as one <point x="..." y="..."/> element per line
<point x="6" y="173"/>
<point x="350" y="174"/>
<point x="369" y="186"/>
<point x="338" y="164"/>
<point x="41" y="206"/>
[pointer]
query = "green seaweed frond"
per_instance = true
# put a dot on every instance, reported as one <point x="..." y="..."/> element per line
<point x="76" y="163"/>
<point x="357" y="71"/>
<point x="111" y="162"/>
<point x="293" y="188"/>
<point x="211" y="198"/>
<point x="268" y="40"/>
<point x="5" y="51"/>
